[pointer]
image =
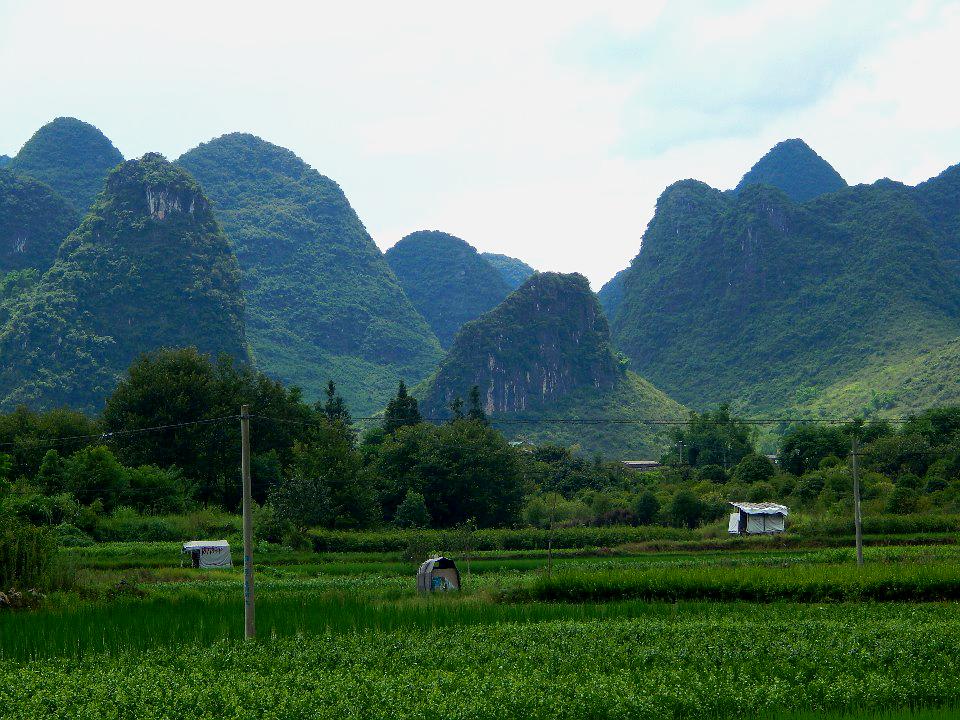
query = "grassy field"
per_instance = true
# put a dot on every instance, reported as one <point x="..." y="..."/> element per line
<point x="605" y="635"/>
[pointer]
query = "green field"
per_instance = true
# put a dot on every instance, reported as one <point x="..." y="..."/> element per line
<point x="345" y="635"/>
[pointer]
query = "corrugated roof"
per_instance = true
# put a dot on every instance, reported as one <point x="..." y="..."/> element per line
<point x="194" y="544"/>
<point x="761" y="508"/>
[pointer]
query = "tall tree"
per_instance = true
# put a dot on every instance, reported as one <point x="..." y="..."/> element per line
<point x="401" y="411"/>
<point x="476" y="411"/>
<point x="335" y="409"/>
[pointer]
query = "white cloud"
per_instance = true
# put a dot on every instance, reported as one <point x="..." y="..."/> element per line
<point x="543" y="130"/>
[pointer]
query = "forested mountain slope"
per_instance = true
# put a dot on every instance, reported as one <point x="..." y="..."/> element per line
<point x="322" y="303"/>
<point x="755" y="299"/>
<point x="793" y="167"/>
<point x="545" y="353"/>
<point x="71" y="156"/>
<point x="148" y="267"/>
<point x="34" y="220"/>
<point x="446" y="279"/>
<point x="514" y="271"/>
<point x="611" y="294"/>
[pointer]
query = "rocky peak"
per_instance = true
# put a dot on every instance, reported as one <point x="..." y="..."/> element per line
<point x="544" y="341"/>
<point x="793" y="167"/>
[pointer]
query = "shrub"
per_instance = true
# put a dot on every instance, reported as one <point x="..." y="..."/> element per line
<point x="903" y="500"/>
<point x="71" y="536"/>
<point x="761" y="492"/>
<point x="26" y="553"/>
<point x="752" y="469"/>
<point x="412" y="512"/>
<point x="685" y="510"/>
<point x="646" y="508"/>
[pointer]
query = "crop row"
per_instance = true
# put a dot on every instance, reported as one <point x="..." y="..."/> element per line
<point x="802" y="583"/>
<point x="736" y="666"/>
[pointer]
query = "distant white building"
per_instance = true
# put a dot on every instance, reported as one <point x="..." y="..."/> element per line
<point x="641" y="465"/>
<point x="208" y="553"/>
<point x="757" y="518"/>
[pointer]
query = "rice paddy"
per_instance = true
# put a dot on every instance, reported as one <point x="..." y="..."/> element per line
<point x="345" y="635"/>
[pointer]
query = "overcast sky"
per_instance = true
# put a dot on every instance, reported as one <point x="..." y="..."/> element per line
<point x="541" y="130"/>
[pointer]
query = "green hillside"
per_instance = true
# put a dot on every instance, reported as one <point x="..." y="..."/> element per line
<point x="793" y="167"/>
<point x="4" y="160"/>
<point x="545" y="353"/>
<point x="757" y="300"/>
<point x="148" y="267"/>
<point x="611" y="294"/>
<point x="446" y="279"/>
<point x="71" y="156"/>
<point x="514" y="271"/>
<point x="926" y="380"/>
<point x="322" y="303"/>
<point x="34" y="220"/>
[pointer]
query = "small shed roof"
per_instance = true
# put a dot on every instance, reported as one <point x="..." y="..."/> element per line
<point x="197" y="544"/>
<point x="761" y="508"/>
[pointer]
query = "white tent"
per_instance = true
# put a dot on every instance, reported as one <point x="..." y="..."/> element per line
<point x="438" y="574"/>
<point x="208" y="553"/>
<point x="757" y="518"/>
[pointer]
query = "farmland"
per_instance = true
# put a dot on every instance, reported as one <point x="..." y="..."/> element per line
<point x="605" y="635"/>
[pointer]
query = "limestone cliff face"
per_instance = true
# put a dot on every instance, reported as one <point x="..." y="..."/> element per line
<point x="545" y="341"/>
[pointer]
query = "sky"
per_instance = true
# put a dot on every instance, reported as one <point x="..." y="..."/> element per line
<point x="543" y="130"/>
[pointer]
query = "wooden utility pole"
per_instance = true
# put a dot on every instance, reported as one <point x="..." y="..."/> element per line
<point x="553" y="508"/>
<point x="857" y="520"/>
<point x="249" y="620"/>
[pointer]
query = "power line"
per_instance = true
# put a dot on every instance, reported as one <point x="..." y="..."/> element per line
<point x="116" y="433"/>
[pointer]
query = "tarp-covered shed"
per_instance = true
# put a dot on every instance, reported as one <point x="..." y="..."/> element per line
<point x="208" y="553"/>
<point x="438" y="574"/>
<point x="757" y="518"/>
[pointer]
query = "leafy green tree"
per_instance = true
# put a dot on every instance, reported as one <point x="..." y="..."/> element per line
<point x="712" y="438"/>
<point x="412" y="512"/>
<point x="335" y="409"/>
<point x="686" y="509"/>
<point x="303" y="501"/>
<point x="804" y="447"/>
<point x="333" y="468"/>
<point x="902" y="501"/>
<point x="646" y="508"/>
<point x="156" y="490"/>
<point x="761" y="492"/>
<point x="476" y="411"/>
<point x="93" y="473"/>
<point x="29" y="432"/>
<point x="401" y="411"/>
<point x="51" y="477"/>
<point x="169" y="387"/>
<point x="897" y="454"/>
<point x="753" y="468"/>
<point x="463" y="469"/>
<point x="713" y="473"/>
<point x="456" y="409"/>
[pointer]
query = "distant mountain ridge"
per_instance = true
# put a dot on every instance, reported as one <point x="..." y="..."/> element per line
<point x="611" y="294"/>
<point x="148" y="267"/>
<point x="793" y="167"/>
<point x="755" y="299"/>
<point x="71" y="156"/>
<point x="34" y="220"/>
<point x="322" y="303"/>
<point x="446" y="279"/>
<point x="515" y="272"/>
<point x="546" y="350"/>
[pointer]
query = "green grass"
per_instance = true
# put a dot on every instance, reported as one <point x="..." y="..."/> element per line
<point x="346" y="635"/>
<point x="701" y="661"/>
